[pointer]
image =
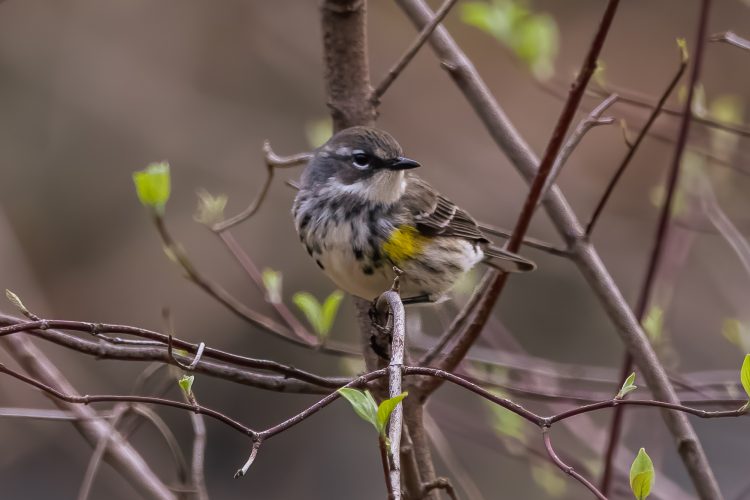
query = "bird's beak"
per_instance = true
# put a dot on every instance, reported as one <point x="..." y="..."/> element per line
<point x="402" y="163"/>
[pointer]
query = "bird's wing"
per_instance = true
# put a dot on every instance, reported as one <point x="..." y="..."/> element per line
<point x="436" y="215"/>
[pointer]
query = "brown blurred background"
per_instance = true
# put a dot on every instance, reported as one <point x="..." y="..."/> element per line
<point x="91" y="91"/>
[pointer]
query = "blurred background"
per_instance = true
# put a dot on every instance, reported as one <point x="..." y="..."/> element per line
<point x="92" y="91"/>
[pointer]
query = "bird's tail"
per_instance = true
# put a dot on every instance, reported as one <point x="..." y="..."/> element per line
<point x="505" y="261"/>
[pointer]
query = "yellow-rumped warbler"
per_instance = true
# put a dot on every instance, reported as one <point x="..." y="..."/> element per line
<point x="359" y="213"/>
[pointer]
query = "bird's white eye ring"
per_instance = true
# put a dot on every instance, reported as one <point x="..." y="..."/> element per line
<point x="360" y="160"/>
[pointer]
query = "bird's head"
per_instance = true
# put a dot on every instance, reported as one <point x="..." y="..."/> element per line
<point x="360" y="161"/>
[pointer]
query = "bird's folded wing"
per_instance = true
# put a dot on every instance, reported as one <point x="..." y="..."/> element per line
<point x="436" y="215"/>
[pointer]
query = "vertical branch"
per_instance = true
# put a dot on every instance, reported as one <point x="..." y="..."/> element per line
<point x="349" y="93"/>
<point x="347" y="69"/>
<point x="398" y="330"/>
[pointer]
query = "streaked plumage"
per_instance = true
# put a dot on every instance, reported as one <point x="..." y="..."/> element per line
<point x="358" y="213"/>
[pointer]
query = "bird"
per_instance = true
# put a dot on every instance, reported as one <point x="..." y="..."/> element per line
<point x="360" y="210"/>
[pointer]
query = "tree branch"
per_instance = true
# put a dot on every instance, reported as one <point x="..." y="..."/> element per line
<point x="636" y="144"/>
<point x="406" y="58"/>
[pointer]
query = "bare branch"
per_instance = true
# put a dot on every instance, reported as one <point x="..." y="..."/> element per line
<point x="594" y="119"/>
<point x="640" y="101"/>
<point x="440" y="483"/>
<point x="273" y="161"/>
<point x="634" y="147"/>
<point x="198" y="456"/>
<point x="41" y="328"/>
<point x="96" y="457"/>
<point x="731" y="38"/>
<point x="251" y="269"/>
<point x="398" y="330"/>
<point x="177" y="254"/>
<point x="451" y="461"/>
<point x="566" y="468"/>
<point x="406" y="58"/>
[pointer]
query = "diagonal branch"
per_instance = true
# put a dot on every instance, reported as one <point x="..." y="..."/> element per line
<point x="406" y="58"/>
<point x="731" y="38"/>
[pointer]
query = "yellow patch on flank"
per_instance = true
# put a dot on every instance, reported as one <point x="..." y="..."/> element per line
<point x="404" y="243"/>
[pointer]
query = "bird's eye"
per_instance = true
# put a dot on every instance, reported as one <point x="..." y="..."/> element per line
<point x="361" y="160"/>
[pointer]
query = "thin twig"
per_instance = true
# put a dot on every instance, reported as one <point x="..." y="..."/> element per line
<point x="407" y="56"/>
<point x="440" y="483"/>
<point x="634" y="99"/>
<point x="631" y="152"/>
<point x="98" y="328"/>
<point x="731" y="38"/>
<point x="98" y="454"/>
<point x="41" y="414"/>
<point x="165" y="431"/>
<point x="178" y="255"/>
<point x="197" y="464"/>
<point x="385" y="461"/>
<point x="251" y="269"/>
<point x="273" y="161"/>
<point x="593" y="119"/>
<point x="566" y="468"/>
<point x="451" y="461"/>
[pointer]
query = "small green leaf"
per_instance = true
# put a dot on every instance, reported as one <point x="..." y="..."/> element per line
<point x="641" y="475"/>
<point x="320" y="317"/>
<point x="186" y="384"/>
<point x="16" y="301"/>
<point x="745" y="374"/>
<point x="510" y="426"/>
<point x="627" y="386"/>
<point x="363" y="403"/>
<point x="654" y="323"/>
<point x="272" y="280"/>
<point x="682" y="45"/>
<point x="153" y="186"/>
<point x="385" y="409"/>
<point x="731" y="329"/>
<point x="319" y="131"/>
<point x="310" y="306"/>
<point x="531" y="36"/>
<point x="698" y="106"/>
<point x="599" y="75"/>
<point x="328" y="314"/>
<point x="210" y="209"/>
